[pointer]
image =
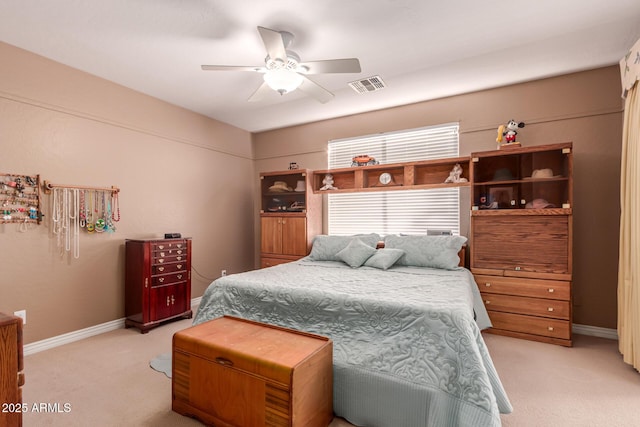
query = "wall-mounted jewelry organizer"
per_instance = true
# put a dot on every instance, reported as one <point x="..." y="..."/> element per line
<point x="74" y="208"/>
<point x="20" y="199"/>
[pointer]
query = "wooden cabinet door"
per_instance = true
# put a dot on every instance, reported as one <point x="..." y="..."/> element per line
<point x="522" y="243"/>
<point x="11" y="366"/>
<point x="271" y="240"/>
<point x="179" y="300"/>
<point x="294" y="236"/>
<point x="167" y="301"/>
<point x="270" y="262"/>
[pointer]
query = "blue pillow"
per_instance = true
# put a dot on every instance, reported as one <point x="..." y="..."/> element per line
<point x="356" y="253"/>
<point x="326" y="248"/>
<point x="427" y="251"/>
<point x="384" y="258"/>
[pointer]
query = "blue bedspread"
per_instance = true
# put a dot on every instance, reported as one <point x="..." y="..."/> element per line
<point x="407" y="350"/>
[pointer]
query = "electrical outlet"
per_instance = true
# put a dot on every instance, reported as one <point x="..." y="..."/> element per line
<point x="223" y="273"/>
<point x="22" y="314"/>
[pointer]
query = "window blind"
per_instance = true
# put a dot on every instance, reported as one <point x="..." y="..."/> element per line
<point x="396" y="212"/>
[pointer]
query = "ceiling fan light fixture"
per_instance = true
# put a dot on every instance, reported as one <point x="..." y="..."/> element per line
<point x="283" y="72"/>
<point x="283" y="80"/>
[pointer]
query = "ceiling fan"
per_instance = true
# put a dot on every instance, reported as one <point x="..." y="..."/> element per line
<point x="283" y="71"/>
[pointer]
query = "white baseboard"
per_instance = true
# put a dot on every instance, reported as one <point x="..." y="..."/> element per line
<point x="595" y="331"/>
<point x="195" y="302"/>
<point x="70" y="337"/>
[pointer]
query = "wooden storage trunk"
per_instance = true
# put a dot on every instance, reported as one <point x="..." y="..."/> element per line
<point x="235" y="372"/>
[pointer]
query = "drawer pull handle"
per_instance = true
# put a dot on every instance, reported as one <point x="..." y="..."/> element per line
<point x="162" y="254"/>
<point x="517" y="269"/>
<point x="488" y="285"/>
<point x="179" y="245"/>
<point x="179" y="266"/>
<point x="179" y="252"/>
<point x="550" y="328"/>
<point x="550" y="309"/>
<point x="161" y="247"/>
<point x="168" y="301"/>
<point x="551" y="290"/>
<point x="161" y="279"/>
<point x="487" y="302"/>
<point x="179" y="258"/>
<point x="161" y="260"/>
<point x="180" y="277"/>
<point x="160" y="268"/>
<point x="223" y="361"/>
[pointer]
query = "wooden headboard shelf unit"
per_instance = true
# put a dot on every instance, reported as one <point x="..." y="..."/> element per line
<point x="405" y="176"/>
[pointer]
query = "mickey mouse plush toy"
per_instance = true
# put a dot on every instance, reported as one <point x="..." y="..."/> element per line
<point x="509" y="131"/>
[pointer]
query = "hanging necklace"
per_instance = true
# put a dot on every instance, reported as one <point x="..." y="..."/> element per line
<point x="55" y="214"/>
<point x="100" y="223"/>
<point x="91" y="227"/>
<point x="83" y="212"/>
<point x="66" y="219"/>
<point x="109" y="227"/>
<point x="116" y="206"/>
<point x="76" y="223"/>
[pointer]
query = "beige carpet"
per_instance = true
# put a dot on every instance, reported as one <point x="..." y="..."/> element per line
<point x="106" y="380"/>
<point x="587" y="385"/>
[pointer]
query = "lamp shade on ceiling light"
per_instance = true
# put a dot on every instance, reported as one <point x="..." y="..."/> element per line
<point x="283" y="80"/>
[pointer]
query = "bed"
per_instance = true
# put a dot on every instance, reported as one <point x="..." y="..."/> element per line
<point x="405" y="321"/>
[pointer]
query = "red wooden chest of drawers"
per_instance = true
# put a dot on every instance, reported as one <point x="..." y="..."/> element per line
<point x="157" y="282"/>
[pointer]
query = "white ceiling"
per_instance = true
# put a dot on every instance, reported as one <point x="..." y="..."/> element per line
<point x="422" y="49"/>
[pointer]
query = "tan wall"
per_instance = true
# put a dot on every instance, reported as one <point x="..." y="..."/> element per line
<point x="585" y="108"/>
<point x="177" y="171"/>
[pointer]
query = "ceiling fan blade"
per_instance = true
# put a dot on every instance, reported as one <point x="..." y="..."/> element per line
<point x="313" y="89"/>
<point x="347" y="65"/>
<point x="256" y="68"/>
<point x="274" y="43"/>
<point x="260" y="93"/>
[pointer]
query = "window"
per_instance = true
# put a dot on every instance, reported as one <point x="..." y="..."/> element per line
<point x="395" y="212"/>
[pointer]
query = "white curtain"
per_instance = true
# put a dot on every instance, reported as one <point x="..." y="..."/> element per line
<point x="629" y="262"/>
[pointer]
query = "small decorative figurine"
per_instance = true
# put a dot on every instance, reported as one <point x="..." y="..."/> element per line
<point x="509" y="132"/>
<point x="455" y="175"/>
<point x="328" y="183"/>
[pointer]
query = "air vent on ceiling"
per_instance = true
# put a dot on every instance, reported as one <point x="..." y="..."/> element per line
<point x="370" y="84"/>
